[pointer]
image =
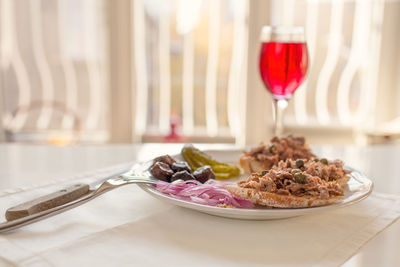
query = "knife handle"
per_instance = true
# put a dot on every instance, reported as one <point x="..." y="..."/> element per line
<point x="47" y="202"/>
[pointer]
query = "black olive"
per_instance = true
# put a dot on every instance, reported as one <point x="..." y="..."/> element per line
<point x="181" y="166"/>
<point x="299" y="163"/>
<point x="203" y="174"/>
<point x="182" y="175"/>
<point x="162" y="171"/>
<point x="167" y="159"/>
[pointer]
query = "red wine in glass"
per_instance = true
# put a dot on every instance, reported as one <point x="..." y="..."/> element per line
<point x="283" y="67"/>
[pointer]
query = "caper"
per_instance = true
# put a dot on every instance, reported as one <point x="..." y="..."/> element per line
<point x="290" y="135"/>
<point x="299" y="163"/>
<point x="294" y="171"/>
<point x="300" y="178"/>
<point x="271" y="148"/>
<point x="316" y="160"/>
<point x="324" y="161"/>
<point x="264" y="173"/>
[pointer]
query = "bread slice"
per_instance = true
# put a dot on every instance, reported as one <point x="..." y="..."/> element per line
<point x="279" y="201"/>
<point x="249" y="164"/>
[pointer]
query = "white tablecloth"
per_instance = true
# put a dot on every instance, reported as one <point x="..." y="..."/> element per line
<point x="127" y="227"/>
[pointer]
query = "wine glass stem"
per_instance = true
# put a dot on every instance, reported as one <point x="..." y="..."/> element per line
<point x="279" y="107"/>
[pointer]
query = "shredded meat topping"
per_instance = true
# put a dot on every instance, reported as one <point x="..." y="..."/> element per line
<point x="280" y="149"/>
<point x="313" y="179"/>
<point x="331" y="171"/>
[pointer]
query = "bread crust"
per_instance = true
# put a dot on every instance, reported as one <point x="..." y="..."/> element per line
<point x="279" y="201"/>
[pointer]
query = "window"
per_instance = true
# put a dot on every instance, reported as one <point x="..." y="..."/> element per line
<point x="121" y="71"/>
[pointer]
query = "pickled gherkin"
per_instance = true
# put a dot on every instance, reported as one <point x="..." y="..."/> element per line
<point x="196" y="159"/>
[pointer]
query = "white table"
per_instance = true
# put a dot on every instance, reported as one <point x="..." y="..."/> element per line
<point x="22" y="165"/>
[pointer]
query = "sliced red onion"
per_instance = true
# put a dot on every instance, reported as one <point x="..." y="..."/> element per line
<point x="211" y="193"/>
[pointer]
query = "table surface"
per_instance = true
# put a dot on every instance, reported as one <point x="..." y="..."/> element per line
<point x="23" y="165"/>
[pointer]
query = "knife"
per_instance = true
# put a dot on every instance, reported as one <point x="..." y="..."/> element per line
<point x="65" y="199"/>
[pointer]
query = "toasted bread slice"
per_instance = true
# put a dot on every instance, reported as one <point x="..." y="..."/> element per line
<point x="280" y="201"/>
<point x="250" y="164"/>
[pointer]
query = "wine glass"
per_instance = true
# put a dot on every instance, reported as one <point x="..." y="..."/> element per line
<point x="283" y="65"/>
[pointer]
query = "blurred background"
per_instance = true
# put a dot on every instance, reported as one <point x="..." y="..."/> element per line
<point x="129" y="71"/>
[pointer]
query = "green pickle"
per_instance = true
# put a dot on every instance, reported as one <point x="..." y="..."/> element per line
<point x="186" y="155"/>
<point x="196" y="159"/>
<point x="222" y="176"/>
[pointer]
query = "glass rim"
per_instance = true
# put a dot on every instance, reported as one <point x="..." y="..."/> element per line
<point x="277" y="33"/>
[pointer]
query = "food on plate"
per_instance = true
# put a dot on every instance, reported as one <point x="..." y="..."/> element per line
<point x="326" y="170"/>
<point x="285" y="174"/>
<point x="197" y="159"/>
<point x="167" y="159"/>
<point x="162" y="171"/>
<point x="264" y="156"/>
<point x="291" y="184"/>
<point x="182" y="175"/>
<point x="212" y="193"/>
<point x="167" y="169"/>
<point x="181" y="166"/>
<point x="204" y="174"/>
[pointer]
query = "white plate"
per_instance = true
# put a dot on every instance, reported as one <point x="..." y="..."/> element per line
<point x="359" y="187"/>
